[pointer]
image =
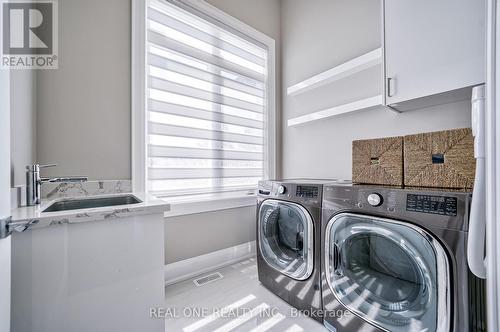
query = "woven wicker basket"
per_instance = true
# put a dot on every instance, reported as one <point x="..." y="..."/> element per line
<point x="443" y="159"/>
<point x="378" y="161"/>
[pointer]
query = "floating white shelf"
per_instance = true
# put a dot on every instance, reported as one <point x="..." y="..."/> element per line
<point x="358" y="105"/>
<point x="348" y="68"/>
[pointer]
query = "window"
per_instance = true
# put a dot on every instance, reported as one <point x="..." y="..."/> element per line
<point x="206" y="115"/>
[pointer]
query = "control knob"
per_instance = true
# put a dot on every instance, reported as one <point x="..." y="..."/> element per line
<point x="375" y="199"/>
<point x="281" y="190"/>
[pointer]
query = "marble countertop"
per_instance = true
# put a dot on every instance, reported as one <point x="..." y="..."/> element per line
<point x="32" y="217"/>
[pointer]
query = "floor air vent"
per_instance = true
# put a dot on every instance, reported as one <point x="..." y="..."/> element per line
<point x="208" y="279"/>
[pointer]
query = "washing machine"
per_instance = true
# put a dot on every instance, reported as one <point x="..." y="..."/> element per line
<point x="288" y="241"/>
<point x="395" y="260"/>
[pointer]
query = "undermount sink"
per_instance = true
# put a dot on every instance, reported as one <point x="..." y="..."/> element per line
<point x="87" y="203"/>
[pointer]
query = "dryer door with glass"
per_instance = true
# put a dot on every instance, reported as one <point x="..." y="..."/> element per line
<point x="394" y="275"/>
<point x="286" y="238"/>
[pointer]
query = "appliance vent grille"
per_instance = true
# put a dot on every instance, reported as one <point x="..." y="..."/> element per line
<point x="207" y="279"/>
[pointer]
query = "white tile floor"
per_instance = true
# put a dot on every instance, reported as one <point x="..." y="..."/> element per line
<point x="254" y="308"/>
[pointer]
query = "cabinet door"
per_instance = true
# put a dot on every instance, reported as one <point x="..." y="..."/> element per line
<point x="432" y="47"/>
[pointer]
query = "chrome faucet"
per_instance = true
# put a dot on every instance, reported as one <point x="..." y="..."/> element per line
<point x="34" y="182"/>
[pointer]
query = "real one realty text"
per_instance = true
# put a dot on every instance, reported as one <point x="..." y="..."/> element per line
<point x="195" y="312"/>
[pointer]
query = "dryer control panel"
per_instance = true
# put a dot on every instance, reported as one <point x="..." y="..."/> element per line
<point x="307" y="191"/>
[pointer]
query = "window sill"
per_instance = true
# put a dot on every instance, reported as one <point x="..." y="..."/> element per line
<point x="207" y="204"/>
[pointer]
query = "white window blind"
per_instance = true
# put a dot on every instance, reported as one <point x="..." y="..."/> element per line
<point x="206" y="104"/>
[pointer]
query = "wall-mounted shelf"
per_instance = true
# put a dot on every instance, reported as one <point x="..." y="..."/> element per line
<point x="341" y="71"/>
<point x="363" y="104"/>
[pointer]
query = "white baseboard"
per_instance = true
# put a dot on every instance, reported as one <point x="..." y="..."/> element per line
<point x="191" y="267"/>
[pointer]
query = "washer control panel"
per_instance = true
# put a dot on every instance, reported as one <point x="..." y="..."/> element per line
<point x="375" y="199"/>
<point x="442" y="205"/>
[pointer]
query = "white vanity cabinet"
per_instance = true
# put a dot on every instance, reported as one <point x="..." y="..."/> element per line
<point x="100" y="276"/>
<point x="434" y="51"/>
<point x="95" y="269"/>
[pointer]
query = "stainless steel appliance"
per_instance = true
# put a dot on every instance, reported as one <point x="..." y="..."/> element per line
<point x="288" y="240"/>
<point x="395" y="260"/>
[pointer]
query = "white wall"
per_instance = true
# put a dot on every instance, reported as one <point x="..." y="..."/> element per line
<point x="263" y="15"/>
<point x="197" y="234"/>
<point x="78" y="116"/>
<point x="22" y="124"/>
<point x="317" y="35"/>
<point x="83" y="121"/>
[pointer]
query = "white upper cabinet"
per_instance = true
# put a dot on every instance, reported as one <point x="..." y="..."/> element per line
<point x="434" y="51"/>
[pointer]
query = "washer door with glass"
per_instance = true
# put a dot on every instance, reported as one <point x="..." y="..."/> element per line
<point x="393" y="275"/>
<point x="286" y="238"/>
